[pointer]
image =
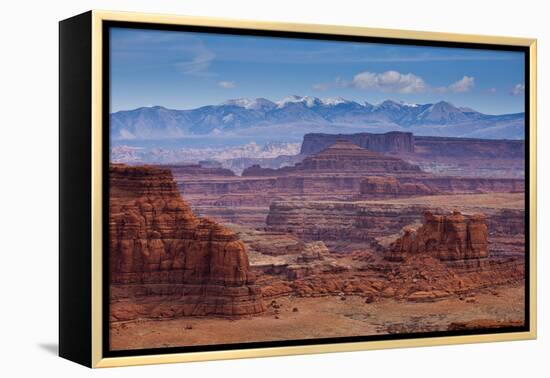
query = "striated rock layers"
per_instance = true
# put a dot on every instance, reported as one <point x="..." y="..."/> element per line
<point x="342" y="171"/>
<point x="343" y="155"/>
<point x="340" y="157"/>
<point x="439" y="155"/>
<point x="340" y="221"/>
<point x="179" y="170"/>
<point x="160" y="250"/>
<point x="364" y="221"/>
<point x="397" y="142"/>
<point x="380" y="187"/>
<point x="389" y="142"/>
<point x="391" y="187"/>
<point x="447" y="237"/>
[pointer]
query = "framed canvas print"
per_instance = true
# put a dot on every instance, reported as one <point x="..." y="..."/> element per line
<point x="236" y="189"/>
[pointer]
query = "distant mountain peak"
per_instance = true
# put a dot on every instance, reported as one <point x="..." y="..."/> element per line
<point x="335" y="100"/>
<point x="309" y="101"/>
<point x="395" y="104"/>
<point x="248" y="103"/>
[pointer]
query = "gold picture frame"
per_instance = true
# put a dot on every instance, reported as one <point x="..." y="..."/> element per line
<point x="91" y="24"/>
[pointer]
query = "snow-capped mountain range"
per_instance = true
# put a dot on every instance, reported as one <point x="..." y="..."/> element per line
<point x="293" y="116"/>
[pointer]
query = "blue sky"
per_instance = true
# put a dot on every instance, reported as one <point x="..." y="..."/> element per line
<point x="182" y="70"/>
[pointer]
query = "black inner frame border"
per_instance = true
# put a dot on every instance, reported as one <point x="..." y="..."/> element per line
<point x="107" y="25"/>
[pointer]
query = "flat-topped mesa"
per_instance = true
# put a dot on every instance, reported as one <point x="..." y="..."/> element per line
<point x="405" y="143"/>
<point x="447" y="237"/>
<point x="394" y="142"/>
<point x="342" y="157"/>
<point x="158" y="245"/>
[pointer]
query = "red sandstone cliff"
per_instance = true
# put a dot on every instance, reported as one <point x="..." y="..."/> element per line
<point x="155" y="239"/>
<point x="447" y="237"/>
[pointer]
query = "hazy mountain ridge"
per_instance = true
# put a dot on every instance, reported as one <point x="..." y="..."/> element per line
<point x="240" y="117"/>
<point x="129" y="154"/>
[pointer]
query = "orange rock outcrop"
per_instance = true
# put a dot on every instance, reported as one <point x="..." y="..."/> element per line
<point x="447" y="237"/>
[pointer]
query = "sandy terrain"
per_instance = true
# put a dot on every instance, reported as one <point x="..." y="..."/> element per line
<point x="305" y="318"/>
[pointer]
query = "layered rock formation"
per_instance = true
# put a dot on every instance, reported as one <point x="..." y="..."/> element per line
<point x="446" y="237"/>
<point x="406" y="186"/>
<point x="388" y="142"/>
<point x="344" y="155"/>
<point x="342" y="171"/>
<point x="381" y="187"/>
<point x="405" y="143"/>
<point x="160" y="249"/>
<point x="440" y="155"/>
<point x="340" y="157"/>
<point x="198" y="170"/>
<point x="340" y="221"/>
<point x="367" y="221"/>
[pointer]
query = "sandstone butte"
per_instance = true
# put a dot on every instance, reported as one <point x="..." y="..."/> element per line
<point x="156" y="242"/>
<point x="446" y="237"/>
<point x="340" y="157"/>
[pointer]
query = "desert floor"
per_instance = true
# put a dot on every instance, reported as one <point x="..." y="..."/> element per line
<point x="305" y="318"/>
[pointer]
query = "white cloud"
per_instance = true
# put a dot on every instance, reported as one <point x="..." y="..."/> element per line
<point x="397" y="82"/>
<point x="518" y="89"/>
<point x="227" y="84"/>
<point x="492" y="90"/>
<point x="389" y="81"/>
<point x="463" y="85"/>
<point x="197" y="64"/>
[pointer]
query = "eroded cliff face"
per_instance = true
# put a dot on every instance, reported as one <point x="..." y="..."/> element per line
<point x="459" y="157"/>
<point x="365" y="221"/>
<point x="446" y="237"/>
<point x="159" y="247"/>
<point x="339" y="157"/>
<point x="397" y="142"/>
<point x="421" y="185"/>
<point x="389" y="187"/>
<point x="340" y="221"/>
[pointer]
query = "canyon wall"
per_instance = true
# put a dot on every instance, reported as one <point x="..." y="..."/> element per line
<point x="261" y="191"/>
<point x="347" y="221"/>
<point x="365" y="221"/>
<point x="159" y="247"/>
<point x="388" y="187"/>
